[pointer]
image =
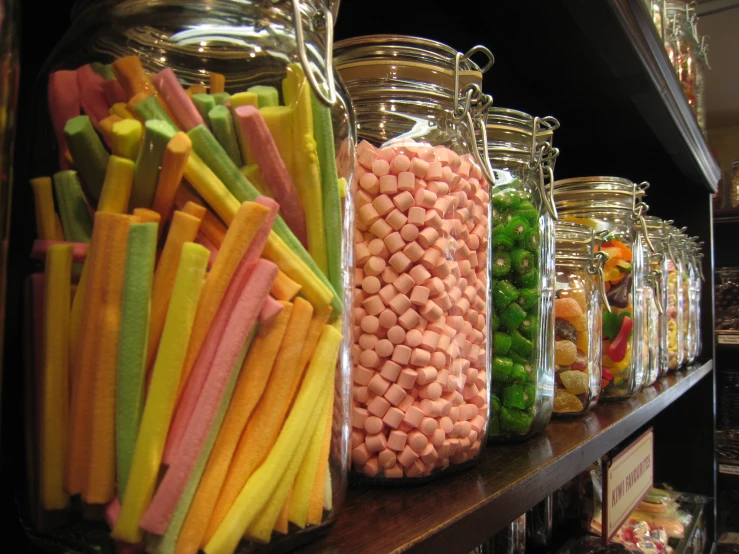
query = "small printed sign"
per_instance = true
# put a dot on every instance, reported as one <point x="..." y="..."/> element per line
<point x="626" y="481"/>
<point x="728" y="339"/>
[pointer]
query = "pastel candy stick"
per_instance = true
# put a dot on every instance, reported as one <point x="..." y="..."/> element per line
<point x="202" y="239"/>
<point x="236" y="259"/>
<point x="270" y="310"/>
<point x="120" y="109"/>
<point x="217" y="83"/>
<point x="195" y="210"/>
<point x="264" y="426"/>
<point x="72" y="207"/>
<point x="150" y="108"/>
<point x="183" y="229"/>
<point x="223" y="129"/>
<point x="131" y="76"/>
<point x="147" y="216"/>
<point x="105" y="126"/>
<point x="113" y="91"/>
<point x="267" y="96"/>
<point x="89" y="154"/>
<point x="285" y="288"/>
<point x="197" y="88"/>
<point x="204" y="103"/>
<point x="76" y="318"/>
<point x="176" y="98"/>
<point x="99" y="485"/>
<point x="222" y="98"/>
<point x="117" y="186"/>
<point x="166" y="543"/>
<point x="255" y="177"/>
<point x="243" y="99"/>
<point x="131" y="369"/>
<point x="64" y="104"/>
<point x="322" y="483"/>
<point x="40" y="250"/>
<point x="256" y="133"/>
<point x="85" y="337"/>
<point x="162" y="390"/>
<point x="157" y="135"/>
<point x="243" y="317"/>
<point x="170" y="176"/>
<point x="211" y="188"/>
<point x="282" y="523"/>
<point x="92" y="95"/>
<point x="305" y="172"/>
<point x="126" y="138"/>
<point x="44" y="208"/>
<point x="55" y="381"/>
<point x="212" y="227"/>
<point x="280" y="121"/>
<point x="252" y="381"/>
<point x="286" y="455"/>
<point x="323" y="132"/>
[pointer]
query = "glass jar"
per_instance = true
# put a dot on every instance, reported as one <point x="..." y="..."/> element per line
<point x="693" y="275"/>
<point x="421" y="376"/>
<point x="577" y="323"/>
<point x="657" y="11"/>
<point x="696" y="292"/>
<point x="680" y="51"/>
<point x="520" y="152"/>
<point x="653" y="337"/>
<point x="613" y="205"/>
<point x="685" y="326"/>
<point x="234" y="374"/>
<point x="699" y="47"/>
<point x="665" y="285"/>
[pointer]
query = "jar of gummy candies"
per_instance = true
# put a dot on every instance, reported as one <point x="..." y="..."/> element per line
<point x="188" y="170"/>
<point x="521" y="154"/>
<point x="577" y="323"/>
<point x="614" y="205"/>
<point x="420" y="386"/>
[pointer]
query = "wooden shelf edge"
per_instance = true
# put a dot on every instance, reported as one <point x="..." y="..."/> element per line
<point x="637" y="23"/>
<point x="460" y="511"/>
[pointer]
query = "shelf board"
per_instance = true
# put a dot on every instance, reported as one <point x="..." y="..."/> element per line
<point x="726" y="216"/>
<point x="456" y="513"/>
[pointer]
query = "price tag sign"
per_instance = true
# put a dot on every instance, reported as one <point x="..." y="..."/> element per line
<point x="627" y="478"/>
<point x="728" y="339"/>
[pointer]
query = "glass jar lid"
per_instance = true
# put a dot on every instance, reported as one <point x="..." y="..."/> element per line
<point x="598" y="194"/>
<point x="519" y="136"/>
<point x="574" y="241"/>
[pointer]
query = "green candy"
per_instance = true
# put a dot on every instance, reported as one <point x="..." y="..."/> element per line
<point x="528" y="298"/>
<point x="522" y="260"/>
<point x="494" y="405"/>
<point x="502" y="201"/>
<point x="501" y="263"/>
<point x="518" y="373"/>
<point x="501" y="344"/>
<point x="495" y="323"/>
<point x="501" y="238"/>
<point x="204" y="103"/>
<point x="521" y="345"/>
<point x="513" y="397"/>
<point x="512" y="317"/>
<point x="531" y="240"/>
<point x="529" y="395"/>
<point x="528" y="327"/>
<point x="502" y="368"/>
<point x="514" y="421"/>
<point x="517" y="227"/>
<point x="504" y="293"/>
<point x="529" y="279"/>
<point x="517" y="359"/>
<point x="531" y="215"/>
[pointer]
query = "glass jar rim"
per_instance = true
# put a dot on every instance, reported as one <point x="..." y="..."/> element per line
<point x="602" y="193"/>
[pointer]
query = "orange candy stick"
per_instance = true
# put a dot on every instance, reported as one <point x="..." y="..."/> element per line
<point x="212" y="227"/>
<point x="197" y="88"/>
<point x="249" y="219"/>
<point x="184" y="228"/>
<point x="285" y="288"/>
<point x="84" y="372"/>
<point x="170" y="176"/>
<point x="266" y="422"/>
<point x="43" y="197"/>
<point x="99" y="487"/>
<point x="195" y="210"/>
<point x="130" y="74"/>
<point x="117" y="185"/>
<point x="255" y="373"/>
<point x="217" y="83"/>
<point x="145" y="215"/>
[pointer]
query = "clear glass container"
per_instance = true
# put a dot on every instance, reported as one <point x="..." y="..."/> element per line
<point x="519" y="148"/>
<point x="699" y="47"/>
<point x="686" y="325"/>
<point x="665" y="285"/>
<point x="421" y="396"/>
<point x="187" y="390"/>
<point x="613" y="206"/>
<point x="727" y="299"/>
<point x="681" y="50"/>
<point x="653" y="346"/>
<point x="696" y="289"/>
<point x="657" y="10"/>
<point x="577" y="329"/>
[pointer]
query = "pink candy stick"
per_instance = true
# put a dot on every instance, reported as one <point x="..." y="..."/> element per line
<point x="205" y="241"/>
<point x="112" y="511"/>
<point x="114" y="92"/>
<point x="40" y="247"/>
<point x="64" y="104"/>
<point x="270" y="310"/>
<point x="243" y="316"/>
<point x="176" y="98"/>
<point x="92" y="96"/>
<point x="257" y="135"/>
<point x="199" y="372"/>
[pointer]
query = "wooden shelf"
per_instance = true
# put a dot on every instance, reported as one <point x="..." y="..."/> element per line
<point x="726" y="216"/>
<point x="458" y="512"/>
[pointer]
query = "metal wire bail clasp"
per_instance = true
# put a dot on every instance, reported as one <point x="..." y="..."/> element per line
<point x="471" y="105"/>
<point x="654" y="278"/>
<point x="328" y="61"/>
<point x="597" y="266"/>
<point x="542" y="152"/>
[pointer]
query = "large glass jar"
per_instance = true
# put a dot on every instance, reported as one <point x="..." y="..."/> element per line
<point x="685" y="327"/>
<point x="522" y="272"/>
<point x="679" y="47"/>
<point x="613" y="205"/>
<point x="664" y="280"/>
<point x="696" y="289"/>
<point x="654" y="318"/>
<point x="577" y="323"/>
<point x="203" y="408"/>
<point x="421" y="401"/>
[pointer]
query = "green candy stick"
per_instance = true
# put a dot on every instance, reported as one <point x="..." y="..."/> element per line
<point x="204" y="103"/>
<point x="156" y="136"/>
<point x="150" y="109"/>
<point x="223" y="129"/>
<point x="88" y="153"/>
<point x="73" y="212"/>
<point x="267" y="96"/>
<point x="222" y="98"/>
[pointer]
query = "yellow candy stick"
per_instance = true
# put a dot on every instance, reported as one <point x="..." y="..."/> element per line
<point x="211" y="188"/>
<point x="55" y="406"/>
<point x="75" y="324"/>
<point x="279" y="120"/>
<point x="285" y="458"/>
<point x="244" y="99"/>
<point x="117" y="186"/>
<point x="307" y="475"/>
<point x="126" y="138"/>
<point x="162" y="391"/>
<point x="106" y="126"/>
<point x="305" y="173"/>
<point x="323" y="474"/>
<point x="313" y="289"/>
<point x="254" y="175"/>
<point x="284" y="288"/>
<point x="43" y="198"/>
<point x="341" y="182"/>
<point x="119" y="109"/>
